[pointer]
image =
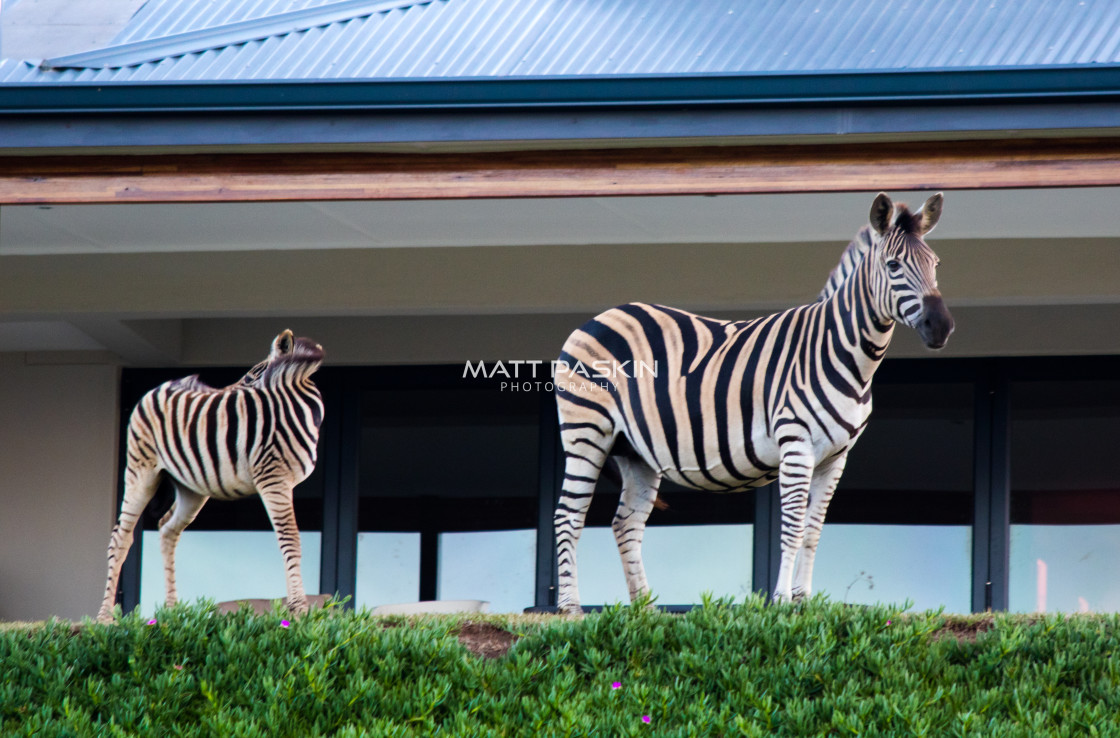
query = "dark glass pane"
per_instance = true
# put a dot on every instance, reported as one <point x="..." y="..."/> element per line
<point x="913" y="464"/>
<point x="698" y="542"/>
<point x="472" y="451"/>
<point x="1065" y="495"/>
<point x="899" y="526"/>
<point x="461" y="464"/>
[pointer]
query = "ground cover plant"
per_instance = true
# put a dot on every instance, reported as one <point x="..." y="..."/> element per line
<point x="818" y="668"/>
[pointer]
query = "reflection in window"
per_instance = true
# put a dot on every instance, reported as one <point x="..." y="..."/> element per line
<point x="496" y="566"/>
<point x="225" y="565"/>
<point x="390" y="566"/>
<point x="700" y="542"/>
<point x="683" y="562"/>
<point x="899" y="527"/>
<point x="1065" y="496"/>
<point x="443" y="465"/>
<point x="865" y="564"/>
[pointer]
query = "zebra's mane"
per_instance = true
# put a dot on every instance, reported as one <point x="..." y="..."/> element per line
<point x="907" y="221"/>
<point x="194" y="384"/>
<point x="191" y="383"/>
<point x="253" y="376"/>
<point x="849" y="260"/>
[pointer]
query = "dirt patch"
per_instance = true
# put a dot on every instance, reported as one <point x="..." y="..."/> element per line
<point x="964" y="631"/>
<point x="486" y="640"/>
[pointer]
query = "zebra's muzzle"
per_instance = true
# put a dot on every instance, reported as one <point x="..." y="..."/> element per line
<point x="936" y="323"/>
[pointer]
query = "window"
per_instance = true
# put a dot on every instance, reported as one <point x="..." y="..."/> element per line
<point x="225" y="565"/>
<point x="450" y="495"/>
<point x="451" y="474"/>
<point x="899" y="526"/>
<point x="700" y="543"/>
<point x="1065" y="496"/>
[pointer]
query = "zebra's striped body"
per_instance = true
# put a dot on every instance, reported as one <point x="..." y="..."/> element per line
<point x="257" y="436"/>
<point x="731" y="405"/>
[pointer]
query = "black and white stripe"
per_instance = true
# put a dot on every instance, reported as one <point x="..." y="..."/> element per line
<point x="738" y="404"/>
<point x="257" y="436"/>
<point x="859" y="247"/>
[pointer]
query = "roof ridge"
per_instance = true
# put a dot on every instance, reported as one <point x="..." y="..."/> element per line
<point x="227" y="34"/>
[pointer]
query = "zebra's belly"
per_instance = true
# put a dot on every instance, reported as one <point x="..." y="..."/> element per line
<point x="742" y="471"/>
<point x="719" y="480"/>
<point x="228" y="487"/>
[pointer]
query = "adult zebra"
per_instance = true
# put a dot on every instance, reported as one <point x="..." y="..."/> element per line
<point x="732" y="405"/>
<point x="257" y="436"/>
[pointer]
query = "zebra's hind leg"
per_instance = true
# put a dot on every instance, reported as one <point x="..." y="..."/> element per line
<point x="583" y="462"/>
<point x="277" y="501"/>
<point x="139" y="487"/>
<point x="182" y="512"/>
<point x="639" y="493"/>
<point x="825" y="478"/>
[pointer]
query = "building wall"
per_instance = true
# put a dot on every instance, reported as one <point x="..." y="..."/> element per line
<point x="58" y="468"/>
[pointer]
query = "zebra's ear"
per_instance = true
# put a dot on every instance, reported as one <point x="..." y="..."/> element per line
<point x="931" y="212"/>
<point x="882" y="210"/>
<point x="283" y="344"/>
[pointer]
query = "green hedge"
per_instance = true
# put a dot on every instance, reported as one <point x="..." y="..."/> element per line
<point x="750" y="670"/>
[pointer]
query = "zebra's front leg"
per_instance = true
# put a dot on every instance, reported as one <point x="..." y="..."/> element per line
<point x="639" y="493"/>
<point x="795" y="473"/>
<point x="183" y="511"/>
<point x="825" y="478"/>
<point x="277" y="501"/>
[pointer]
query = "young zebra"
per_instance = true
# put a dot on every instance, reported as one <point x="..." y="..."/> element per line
<point x="730" y="405"/>
<point x="257" y="436"/>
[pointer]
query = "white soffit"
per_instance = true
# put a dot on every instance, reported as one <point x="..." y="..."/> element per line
<point x="826" y="218"/>
<point x="45" y="335"/>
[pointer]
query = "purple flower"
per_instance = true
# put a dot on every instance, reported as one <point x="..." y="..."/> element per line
<point x="616" y="685"/>
<point x="646" y="719"/>
<point x="152" y="621"/>
<point x="284" y="623"/>
<point x="888" y="622"/>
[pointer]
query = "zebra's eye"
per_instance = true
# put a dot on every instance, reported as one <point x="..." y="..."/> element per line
<point x="893" y="265"/>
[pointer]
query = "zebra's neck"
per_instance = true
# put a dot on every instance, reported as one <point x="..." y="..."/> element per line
<point x="856" y="323"/>
<point x="850" y="260"/>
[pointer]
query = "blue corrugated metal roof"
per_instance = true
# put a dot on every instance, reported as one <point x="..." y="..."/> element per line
<point x="502" y="38"/>
<point x="157" y="19"/>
